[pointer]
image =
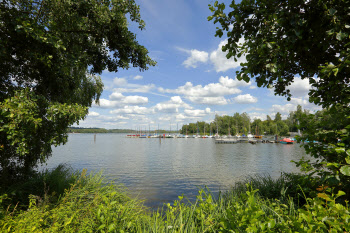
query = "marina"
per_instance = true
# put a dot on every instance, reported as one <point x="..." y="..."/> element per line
<point x="158" y="170"/>
<point x="222" y="140"/>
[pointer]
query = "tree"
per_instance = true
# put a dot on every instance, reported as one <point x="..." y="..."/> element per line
<point x="278" y="117"/>
<point x="309" y="39"/>
<point x="285" y="39"/>
<point x="50" y="53"/>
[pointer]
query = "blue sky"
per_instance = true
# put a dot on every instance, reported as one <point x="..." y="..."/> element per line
<point x="192" y="80"/>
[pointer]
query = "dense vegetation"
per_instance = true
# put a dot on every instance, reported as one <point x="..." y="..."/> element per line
<point x="88" y="205"/>
<point x="44" y="89"/>
<point x="310" y="39"/>
<point x="241" y="124"/>
<point x="49" y="85"/>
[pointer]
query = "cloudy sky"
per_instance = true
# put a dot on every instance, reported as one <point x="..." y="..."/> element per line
<point x="192" y="80"/>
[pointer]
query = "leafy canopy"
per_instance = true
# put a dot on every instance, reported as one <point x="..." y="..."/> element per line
<point x="50" y="53"/>
<point x="305" y="38"/>
<point x="283" y="39"/>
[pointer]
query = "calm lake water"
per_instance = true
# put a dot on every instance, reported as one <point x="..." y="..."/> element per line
<point x="161" y="170"/>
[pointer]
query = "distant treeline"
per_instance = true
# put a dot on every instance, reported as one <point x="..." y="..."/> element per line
<point x="97" y="130"/>
<point x="102" y="130"/>
<point x="242" y="124"/>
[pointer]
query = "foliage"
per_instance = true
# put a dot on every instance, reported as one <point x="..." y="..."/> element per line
<point x="287" y="187"/>
<point x="86" y="206"/>
<point x="309" y="39"/>
<point x="90" y="206"/>
<point x="241" y="124"/>
<point x="283" y="39"/>
<point x="47" y="185"/>
<point x="328" y="133"/>
<point x="50" y="52"/>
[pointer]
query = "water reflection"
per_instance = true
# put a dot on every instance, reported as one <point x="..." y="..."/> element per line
<point x="161" y="170"/>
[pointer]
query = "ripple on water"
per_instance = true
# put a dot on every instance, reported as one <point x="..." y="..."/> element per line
<point x="161" y="170"/>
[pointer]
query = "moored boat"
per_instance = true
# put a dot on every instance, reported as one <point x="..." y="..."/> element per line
<point x="286" y="141"/>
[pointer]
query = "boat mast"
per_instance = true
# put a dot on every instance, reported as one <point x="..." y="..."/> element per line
<point x="217" y="128"/>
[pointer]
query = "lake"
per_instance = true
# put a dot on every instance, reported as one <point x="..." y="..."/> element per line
<point x="159" y="170"/>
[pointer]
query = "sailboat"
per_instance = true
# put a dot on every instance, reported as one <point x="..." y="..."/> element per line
<point x="249" y="134"/>
<point x="257" y="133"/>
<point x="204" y="136"/>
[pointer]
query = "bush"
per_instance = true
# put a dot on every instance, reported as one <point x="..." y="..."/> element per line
<point x="91" y="206"/>
<point x="48" y="184"/>
<point x="288" y="186"/>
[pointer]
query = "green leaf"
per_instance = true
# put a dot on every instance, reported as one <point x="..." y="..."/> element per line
<point x="111" y="227"/>
<point x="341" y="35"/>
<point x="332" y="11"/>
<point x="347" y="159"/>
<point x="345" y="170"/>
<point x="340" y="150"/>
<point x="271" y="223"/>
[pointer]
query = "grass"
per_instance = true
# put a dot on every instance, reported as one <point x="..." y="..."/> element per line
<point x="89" y="205"/>
<point x="46" y="184"/>
<point x="288" y="186"/>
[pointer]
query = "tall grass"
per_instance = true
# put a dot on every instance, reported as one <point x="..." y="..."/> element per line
<point x="46" y="184"/>
<point x="288" y="186"/>
<point x="89" y="205"/>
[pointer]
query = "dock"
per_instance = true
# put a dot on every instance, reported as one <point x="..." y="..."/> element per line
<point x="242" y="140"/>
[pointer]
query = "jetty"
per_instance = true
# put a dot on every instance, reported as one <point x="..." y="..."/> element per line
<point x="242" y="140"/>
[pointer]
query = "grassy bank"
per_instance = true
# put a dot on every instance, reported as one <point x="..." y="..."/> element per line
<point x="88" y="205"/>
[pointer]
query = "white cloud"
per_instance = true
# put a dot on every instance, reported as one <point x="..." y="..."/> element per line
<point x="135" y="88"/>
<point x="176" y="100"/>
<point x="300" y="87"/>
<point x="229" y="82"/>
<point x="135" y="100"/>
<point x="225" y="86"/>
<point x="257" y="115"/>
<point x="116" y="96"/>
<point x="208" y="100"/>
<point x="104" y="103"/>
<point x="221" y="63"/>
<point x="165" y="118"/>
<point x="181" y="117"/>
<point x="197" y="112"/>
<point x="120" y="81"/>
<point x="121" y="85"/>
<point x="283" y="108"/>
<point x="166" y="108"/>
<point x="245" y="99"/>
<point x="118" y="100"/>
<point x="131" y="110"/>
<point x="255" y="109"/>
<point x="195" y="58"/>
<point x="93" y="114"/>
<point x="292" y="106"/>
<point x="171" y="106"/>
<point x="113" y="118"/>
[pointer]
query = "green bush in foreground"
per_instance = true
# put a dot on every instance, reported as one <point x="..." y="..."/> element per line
<point x="91" y="206"/>
<point x="47" y="186"/>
